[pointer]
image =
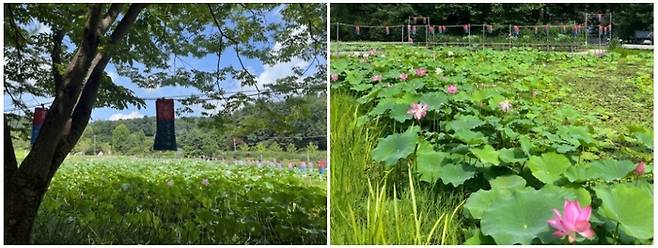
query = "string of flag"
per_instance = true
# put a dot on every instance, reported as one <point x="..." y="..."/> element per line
<point x="467" y="28"/>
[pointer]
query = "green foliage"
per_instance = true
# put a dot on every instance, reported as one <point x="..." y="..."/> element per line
<point x="519" y="164"/>
<point x="629" y="206"/>
<point x="549" y="167"/>
<point x="160" y="201"/>
<point x="291" y="148"/>
<point x="119" y="135"/>
<point x="354" y="194"/>
<point x="396" y="147"/>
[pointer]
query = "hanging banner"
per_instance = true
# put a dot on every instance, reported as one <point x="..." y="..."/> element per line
<point x="387" y="30"/>
<point x="357" y="29"/>
<point x="165" y="135"/>
<point x="322" y="165"/>
<point x="37" y="122"/>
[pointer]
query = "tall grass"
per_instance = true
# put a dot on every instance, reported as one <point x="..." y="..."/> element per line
<point x="365" y="209"/>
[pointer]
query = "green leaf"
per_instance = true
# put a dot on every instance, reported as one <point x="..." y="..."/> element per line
<point x="434" y="99"/>
<point x="607" y="170"/>
<point x="481" y="200"/>
<point x="507" y="182"/>
<point x="512" y="155"/>
<point x="486" y="155"/>
<point x="429" y="165"/>
<point x="464" y="122"/>
<point x="456" y="174"/>
<point x="630" y="206"/>
<point x="645" y="139"/>
<point x="396" y="146"/>
<point x="526" y="145"/>
<point x="549" y="167"/>
<point x="479" y="239"/>
<point x="520" y="217"/>
<point x="470" y="137"/>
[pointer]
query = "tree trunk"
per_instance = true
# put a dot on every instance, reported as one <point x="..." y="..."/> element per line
<point x="64" y="124"/>
<point x="22" y="202"/>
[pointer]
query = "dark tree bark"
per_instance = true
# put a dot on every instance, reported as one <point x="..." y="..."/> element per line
<point x="65" y="122"/>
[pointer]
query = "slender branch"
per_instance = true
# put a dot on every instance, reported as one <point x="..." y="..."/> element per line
<point x="19" y="35"/>
<point x="235" y="43"/>
<point x="18" y="103"/>
<point x="316" y="43"/>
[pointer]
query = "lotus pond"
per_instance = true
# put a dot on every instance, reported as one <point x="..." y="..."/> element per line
<point x="495" y="147"/>
<point x="126" y="200"/>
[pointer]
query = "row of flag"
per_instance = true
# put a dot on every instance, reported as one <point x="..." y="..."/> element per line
<point x="516" y="29"/>
<point x="165" y="135"/>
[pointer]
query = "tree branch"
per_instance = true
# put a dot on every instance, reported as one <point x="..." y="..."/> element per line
<point x="235" y="43"/>
<point x="109" y="18"/>
<point x="19" y="35"/>
<point x="85" y="105"/>
<point x="56" y="57"/>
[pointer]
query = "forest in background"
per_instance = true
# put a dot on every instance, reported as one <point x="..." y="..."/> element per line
<point x="265" y="126"/>
<point x="627" y="18"/>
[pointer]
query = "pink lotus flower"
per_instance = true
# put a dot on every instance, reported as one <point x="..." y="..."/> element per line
<point x="505" y="105"/>
<point x="418" y="110"/>
<point x="205" y="182"/>
<point x="452" y="89"/>
<point x="421" y="72"/>
<point x="334" y="77"/>
<point x="404" y="76"/>
<point x="639" y="169"/>
<point x="376" y="78"/>
<point x="575" y="220"/>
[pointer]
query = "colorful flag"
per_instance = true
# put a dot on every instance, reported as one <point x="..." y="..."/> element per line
<point x="37" y="122"/>
<point x="165" y="135"/>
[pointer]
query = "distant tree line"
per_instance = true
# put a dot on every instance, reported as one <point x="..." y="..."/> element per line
<point x="265" y="126"/>
<point x="627" y="17"/>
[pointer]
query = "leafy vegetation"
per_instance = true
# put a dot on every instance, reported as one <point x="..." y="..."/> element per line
<point x="163" y="201"/>
<point x="512" y="130"/>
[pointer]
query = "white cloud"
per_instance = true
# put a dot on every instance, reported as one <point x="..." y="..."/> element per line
<point x="273" y="72"/>
<point x="132" y="115"/>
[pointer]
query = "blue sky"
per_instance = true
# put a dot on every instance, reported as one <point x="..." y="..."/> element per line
<point x="265" y="74"/>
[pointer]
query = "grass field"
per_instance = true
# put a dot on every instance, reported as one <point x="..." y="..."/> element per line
<point x="129" y="200"/>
